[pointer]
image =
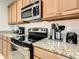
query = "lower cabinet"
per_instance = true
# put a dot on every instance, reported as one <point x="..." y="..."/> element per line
<point x="0" y="45"/>
<point x="43" y="54"/>
<point x="36" y="57"/>
<point x="9" y="54"/>
<point x="5" y="47"/>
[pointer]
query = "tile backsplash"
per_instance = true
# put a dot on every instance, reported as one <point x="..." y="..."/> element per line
<point x="71" y="25"/>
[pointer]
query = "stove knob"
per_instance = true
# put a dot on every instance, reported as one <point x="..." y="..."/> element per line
<point x="41" y="29"/>
<point x="21" y="40"/>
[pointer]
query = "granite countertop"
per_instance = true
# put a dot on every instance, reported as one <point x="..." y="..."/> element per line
<point x="10" y="34"/>
<point x="61" y="48"/>
<point x="7" y="33"/>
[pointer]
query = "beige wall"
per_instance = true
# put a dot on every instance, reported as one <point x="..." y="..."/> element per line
<point x="71" y="25"/>
<point x="4" y="14"/>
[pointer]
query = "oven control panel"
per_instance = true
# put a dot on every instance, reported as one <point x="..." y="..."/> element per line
<point x="40" y="30"/>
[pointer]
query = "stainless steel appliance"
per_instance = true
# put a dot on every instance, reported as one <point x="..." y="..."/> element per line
<point x="34" y="35"/>
<point x="59" y="29"/>
<point x="32" y="11"/>
<point x="20" y="50"/>
<point x="55" y="32"/>
<point x="19" y="30"/>
<point x="71" y="37"/>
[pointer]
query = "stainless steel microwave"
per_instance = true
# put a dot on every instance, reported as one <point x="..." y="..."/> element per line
<point x="32" y="11"/>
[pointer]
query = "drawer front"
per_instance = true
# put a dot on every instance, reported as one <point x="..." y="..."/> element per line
<point x="43" y="54"/>
<point x="37" y="52"/>
<point x="5" y="49"/>
<point x="36" y="57"/>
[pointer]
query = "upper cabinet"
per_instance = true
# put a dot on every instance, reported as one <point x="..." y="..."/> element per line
<point x="26" y="2"/>
<point x="14" y="11"/>
<point x="13" y="19"/>
<point x="56" y="9"/>
<point x="19" y="6"/>
<point x="12" y="14"/>
<point x="50" y="8"/>
<point x="69" y="7"/>
<point x="9" y="14"/>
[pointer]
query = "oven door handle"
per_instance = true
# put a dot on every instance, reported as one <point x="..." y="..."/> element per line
<point x="18" y="46"/>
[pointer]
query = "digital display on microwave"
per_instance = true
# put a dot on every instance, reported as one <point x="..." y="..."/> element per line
<point x="26" y="14"/>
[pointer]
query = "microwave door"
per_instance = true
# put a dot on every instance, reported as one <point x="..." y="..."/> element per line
<point x="27" y="13"/>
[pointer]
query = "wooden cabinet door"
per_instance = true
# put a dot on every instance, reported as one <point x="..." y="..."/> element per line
<point x="36" y="57"/>
<point x="49" y="55"/>
<point x="9" y="14"/>
<point x="14" y="13"/>
<point x="5" y="49"/>
<point x="43" y="54"/>
<point x="26" y="2"/>
<point x="19" y="6"/>
<point x="50" y="8"/>
<point x="9" y="54"/>
<point x="1" y="45"/>
<point x="69" y="6"/>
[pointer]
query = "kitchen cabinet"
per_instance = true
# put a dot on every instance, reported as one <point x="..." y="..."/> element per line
<point x="36" y="57"/>
<point x="12" y="13"/>
<point x="0" y="45"/>
<point x="9" y="14"/>
<point x="5" y="47"/>
<point x="13" y="19"/>
<point x="9" y="54"/>
<point x="19" y="6"/>
<point x="58" y="9"/>
<point x="50" y="8"/>
<point x="26" y="2"/>
<point x="44" y="54"/>
<point x="69" y="7"/>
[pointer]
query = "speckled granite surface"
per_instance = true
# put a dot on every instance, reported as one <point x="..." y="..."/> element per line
<point x="61" y="48"/>
<point x="7" y="33"/>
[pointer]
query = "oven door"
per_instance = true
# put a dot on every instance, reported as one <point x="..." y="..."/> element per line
<point x="20" y="52"/>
